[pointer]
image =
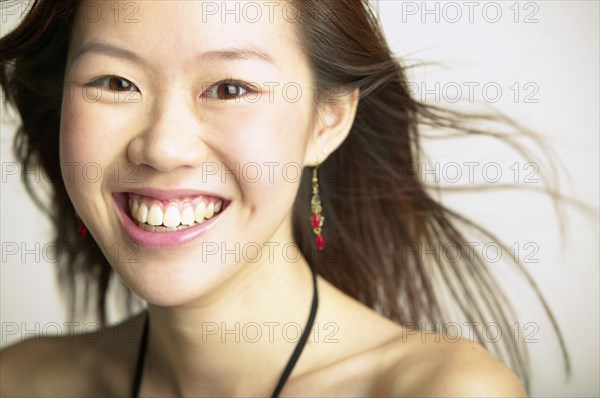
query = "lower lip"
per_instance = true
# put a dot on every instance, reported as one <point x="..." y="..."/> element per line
<point x="159" y="239"/>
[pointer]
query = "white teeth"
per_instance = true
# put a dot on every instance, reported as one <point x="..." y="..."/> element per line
<point x="176" y="216"/>
<point x="142" y="213"/>
<point x="199" y="212"/>
<point x="187" y="215"/>
<point x="210" y="211"/>
<point x="134" y="206"/>
<point x="155" y="215"/>
<point x="172" y="217"/>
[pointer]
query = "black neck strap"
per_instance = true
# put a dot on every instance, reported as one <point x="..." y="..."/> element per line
<point x="139" y="370"/>
<point x="139" y="367"/>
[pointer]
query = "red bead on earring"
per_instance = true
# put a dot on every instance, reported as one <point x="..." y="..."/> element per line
<point x="315" y="205"/>
<point x="82" y="230"/>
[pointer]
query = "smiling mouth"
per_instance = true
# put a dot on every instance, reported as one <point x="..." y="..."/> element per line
<point x="154" y="215"/>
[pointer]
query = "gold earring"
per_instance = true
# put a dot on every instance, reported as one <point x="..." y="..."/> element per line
<point x="315" y="206"/>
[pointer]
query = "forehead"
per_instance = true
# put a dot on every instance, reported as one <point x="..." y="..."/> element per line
<point x="177" y="30"/>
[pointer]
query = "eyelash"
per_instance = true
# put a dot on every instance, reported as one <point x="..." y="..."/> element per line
<point x="99" y="82"/>
<point x="247" y="88"/>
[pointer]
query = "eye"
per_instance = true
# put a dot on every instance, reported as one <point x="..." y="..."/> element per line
<point x="228" y="90"/>
<point x="114" y="83"/>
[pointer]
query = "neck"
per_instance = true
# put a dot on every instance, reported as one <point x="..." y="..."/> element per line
<point x="235" y="339"/>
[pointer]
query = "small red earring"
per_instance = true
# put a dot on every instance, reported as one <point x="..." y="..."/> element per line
<point x="81" y="229"/>
<point x="315" y="205"/>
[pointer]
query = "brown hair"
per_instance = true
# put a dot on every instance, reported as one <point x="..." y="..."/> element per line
<point x="369" y="174"/>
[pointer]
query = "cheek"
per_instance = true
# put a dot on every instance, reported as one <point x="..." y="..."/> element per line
<point x="264" y="145"/>
<point x="90" y="131"/>
<point x="73" y="150"/>
<point x="72" y="144"/>
<point x="85" y="154"/>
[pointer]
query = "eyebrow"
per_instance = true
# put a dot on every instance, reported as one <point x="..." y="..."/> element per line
<point x="226" y="54"/>
<point x="234" y="54"/>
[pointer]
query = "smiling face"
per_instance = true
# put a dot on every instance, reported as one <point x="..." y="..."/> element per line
<point x="189" y="109"/>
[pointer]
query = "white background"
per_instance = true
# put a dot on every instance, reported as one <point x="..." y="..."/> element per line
<point x="557" y="53"/>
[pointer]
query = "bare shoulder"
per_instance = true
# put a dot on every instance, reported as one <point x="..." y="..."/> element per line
<point x="383" y="358"/>
<point x="87" y="364"/>
<point x="448" y="369"/>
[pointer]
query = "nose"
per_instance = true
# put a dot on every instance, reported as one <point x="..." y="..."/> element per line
<point x="171" y="137"/>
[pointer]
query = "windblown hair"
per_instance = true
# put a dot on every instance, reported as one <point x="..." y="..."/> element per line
<point x="368" y="175"/>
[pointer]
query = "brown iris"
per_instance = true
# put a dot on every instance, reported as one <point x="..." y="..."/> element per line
<point x="226" y="91"/>
<point x="118" y="84"/>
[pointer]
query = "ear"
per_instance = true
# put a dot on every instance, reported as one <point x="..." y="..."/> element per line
<point x="334" y="120"/>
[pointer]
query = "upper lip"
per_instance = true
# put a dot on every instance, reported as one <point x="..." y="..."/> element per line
<point x="169" y="194"/>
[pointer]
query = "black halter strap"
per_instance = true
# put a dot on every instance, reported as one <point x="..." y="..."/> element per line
<point x="302" y="342"/>
<point x="139" y="370"/>
<point x="139" y="367"/>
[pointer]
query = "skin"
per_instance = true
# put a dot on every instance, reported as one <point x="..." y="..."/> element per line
<point x="163" y="122"/>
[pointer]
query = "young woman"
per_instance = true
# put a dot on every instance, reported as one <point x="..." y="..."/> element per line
<point x="245" y="169"/>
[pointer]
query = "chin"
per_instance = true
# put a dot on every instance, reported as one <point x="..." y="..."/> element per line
<point x="171" y="285"/>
